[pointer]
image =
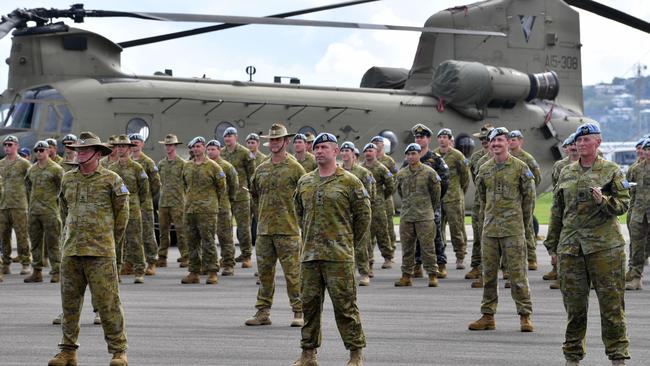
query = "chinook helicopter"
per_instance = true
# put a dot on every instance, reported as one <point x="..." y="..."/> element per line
<point x="513" y="63"/>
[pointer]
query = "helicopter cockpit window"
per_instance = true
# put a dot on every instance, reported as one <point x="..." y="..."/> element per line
<point x="138" y="125"/>
<point x="66" y="124"/>
<point x="390" y="141"/>
<point x="465" y="144"/>
<point x="220" y="129"/>
<point x="52" y="120"/>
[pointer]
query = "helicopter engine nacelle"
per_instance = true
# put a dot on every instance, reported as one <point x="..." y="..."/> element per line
<point x="469" y="87"/>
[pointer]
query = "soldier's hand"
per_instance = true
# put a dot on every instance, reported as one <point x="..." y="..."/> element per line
<point x="597" y="195"/>
<point x="554" y="260"/>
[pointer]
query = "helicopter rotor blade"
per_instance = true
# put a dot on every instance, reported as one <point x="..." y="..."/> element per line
<point x="11" y="21"/>
<point x="611" y="13"/>
<point x="214" y="28"/>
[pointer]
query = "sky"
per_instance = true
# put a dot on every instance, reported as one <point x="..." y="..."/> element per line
<point x="318" y="56"/>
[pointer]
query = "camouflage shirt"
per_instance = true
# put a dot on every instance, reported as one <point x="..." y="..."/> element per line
<point x="365" y="177"/>
<point x="389" y="163"/>
<point x="258" y="157"/>
<point x="205" y="185"/>
<point x="44" y="187"/>
<point x="98" y="210"/>
<point x="334" y="214"/>
<point x="458" y="174"/>
<point x="106" y="161"/>
<point x="240" y="158"/>
<point x="473" y="162"/>
<point x="639" y="173"/>
<point x="154" y="179"/>
<point x="69" y="165"/>
<point x="384" y="181"/>
<point x="272" y="191"/>
<point x="507" y="194"/>
<point x="577" y="222"/>
<point x="309" y="162"/>
<point x="172" y="193"/>
<point x="532" y="164"/>
<point x="232" y="183"/>
<point x="557" y="169"/>
<point x="136" y="181"/>
<point x="57" y="159"/>
<point x="419" y="188"/>
<point x="14" y="173"/>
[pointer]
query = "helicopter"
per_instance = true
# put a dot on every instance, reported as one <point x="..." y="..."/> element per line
<point x="512" y="63"/>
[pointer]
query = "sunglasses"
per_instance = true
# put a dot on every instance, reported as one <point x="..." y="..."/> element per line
<point x="8" y="144"/>
<point x="39" y="150"/>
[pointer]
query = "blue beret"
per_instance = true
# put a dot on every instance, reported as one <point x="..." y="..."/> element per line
<point x="229" y="131"/>
<point x="24" y="152"/>
<point x="569" y="140"/>
<point x="587" y="129"/>
<point x="347" y="145"/>
<point x="515" y="134"/>
<point x="445" y="132"/>
<point x="323" y="137"/>
<point x="413" y="147"/>
<point x="213" y="143"/>
<point x="195" y="141"/>
<point x="498" y="132"/>
<point x="136" y="136"/>
<point x="300" y="136"/>
<point x="377" y="138"/>
<point x="369" y="145"/>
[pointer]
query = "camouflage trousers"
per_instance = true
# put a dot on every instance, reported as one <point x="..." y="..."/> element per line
<point x="45" y="234"/>
<point x="361" y="255"/>
<point x="200" y="229"/>
<point x="453" y="213"/>
<point x="514" y="249"/>
<point x="338" y="279"/>
<point x="167" y="216"/>
<point x="531" y="240"/>
<point x="477" y="230"/>
<point x="286" y="249"/>
<point x="226" y="240"/>
<point x="425" y="233"/>
<point x="15" y="218"/>
<point x="149" y="237"/>
<point x="639" y="240"/>
<point x="100" y="274"/>
<point x="130" y="249"/>
<point x="254" y="217"/>
<point x="241" y="210"/>
<point x="390" y="212"/>
<point x="379" y="232"/>
<point x="606" y="271"/>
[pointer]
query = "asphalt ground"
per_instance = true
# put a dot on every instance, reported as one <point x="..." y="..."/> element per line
<point x="173" y="324"/>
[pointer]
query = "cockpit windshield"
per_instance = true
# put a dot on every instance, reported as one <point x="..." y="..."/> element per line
<point x="30" y="106"/>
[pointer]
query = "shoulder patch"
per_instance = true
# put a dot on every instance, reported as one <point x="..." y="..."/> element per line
<point x="155" y="168"/>
<point x="626" y="184"/>
<point x="222" y="174"/>
<point x="143" y="175"/>
<point x="123" y="189"/>
<point x="390" y="174"/>
<point x="529" y="174"/>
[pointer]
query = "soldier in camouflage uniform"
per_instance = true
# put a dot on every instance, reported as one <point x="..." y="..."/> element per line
<point x="97" y="203"/>
<point x="148" y="235"/>
<point x="333" y="210"/>
<point x="240" y="158"/>
<point x="171" y="202"/>
<point x="309" y="138"/>
<point x="419" y="187"/>
<point x="224" y="217"/>
<point x="205" y="186"/>
<point x="453" y="203"/>
<point x="13" y="206"/>
<point x="507" y="191"/>
<point x="69" y="155"/>
<point x="52" y="150"/>
<point x="130" y="250"/>
<point x="390" y="204"/>
<point x="111" y="158"/>
<point x="384" y="187"/>
<point x="304" y="157"/>
<point x="273" y="184"/>
<point x="44" y="187"/>
<point x="585" y="240"/>
<point x="516" y="142"/>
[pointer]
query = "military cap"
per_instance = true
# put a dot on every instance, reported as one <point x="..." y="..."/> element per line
<point x="300" y="136"/>
<point x="640" y="142"/>
<point x="230" y="131"/>
<point x="421" y="130"/>
<point x="587" y="129"/>
<point x="69" y="139"/>
<point x="51" y="141"/>
<point x="515" y="134"/>
<point x="310" y="137"/>
<point x="377" y="138"/>
<point x="10" y="138"/>
<point x="498" y="132"/>
<point x="253" y="136"/>
<point x="357" y="152"/>
<point x="369" y="145"/>
<point x="570" y="140"/>
<point x="122" y="140"/>
<point x="348" y="145"/>
<point x="136" y="136"/>
<point x="646" y="144"/>
<point x="413" y="147"/>
<point x="484" y="131"/>
<point x="445" y="132"/>
<point x="646" y="136"/>
<point x="89" y="139"/>
<point x="170" y="139"/>
<point x="41" y="145"/>
<point x="277" y="130"/>
<point x="323" y="137"/>
<point x="195" y="141"/>
<point x="24" y="152"/>
<point x="213" y="143"/>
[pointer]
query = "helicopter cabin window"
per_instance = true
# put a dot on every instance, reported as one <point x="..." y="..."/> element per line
<point x="220" y="129"/>
<point x="138" y="125"/>
<point x="390" y="141"/>
<point x="52" y="120"/>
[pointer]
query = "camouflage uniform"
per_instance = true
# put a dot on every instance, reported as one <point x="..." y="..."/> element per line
<point x="557" y="169"/>
<point x="240" y="158"/>
<point x="309" y="162"/>
<point x="639" y="217"/>
<point x="453" y="203"/>
<point x="419" y="188"/>
<point x="477" y="214"/>
<point x="384" y="187"/>
<point x="590" y="248"/>
<point x="278" y="233"/>
<point x="44" y="188"/>
<point x="13" y="209"/>
<point x="148" y="235"/>
<point x="507" y="194"/>
<point x="390" y="164"/>
<point x="361" y="255"/>
<point x="531" y="241"/>
<point x="258" y="157"/>
<point x="106" y="161"/>
<point x="334" y="214"/>
<point x="98" y="211"/>
<point x="57" y="159"/>
<point x="131" y="248"/>
<point x="205" y="186"/>
<point x="224" y="217"/>
<point x="170" y="205"/>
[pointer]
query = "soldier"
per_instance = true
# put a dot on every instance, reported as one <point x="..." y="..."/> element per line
<point x="349" y="163"/>
<point x="384" y="187"/>
<point x="111" y="158"/>
<point x="205" y="186"/>
<point x="52" y="151"/>
<point x="272" y="189"/>
<point x="43" y="182"/>
<point x="69" y="155"/>
<point x="97" y="204"/>
<point x="224" y="217"/>
<point x="240" y="158"/>
<point x="24" y="153"/>
<point x="130" y="250"/>
<point x="478" y="282"/>
<point x="333" y="209"/>
<point x="419" y="187"/>
<point x="304" y="157"/>
<point x="171" y="202"/>
<point x="507" y="192"/>
<point x="390" y="204"/>
<point x="516" y="142"/>
<point x="13" y="206"/>
<point x="309" y="139"/>
<point x="585" y="241"/>
<point x="639" y="173"/>
<point x="453" y="203"/>
<point x="148" y="235"/>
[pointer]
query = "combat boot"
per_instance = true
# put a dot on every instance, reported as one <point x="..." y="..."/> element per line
<point x="486" y="322"/>
<point x="36" y="276"/>
<point x="162" y="262"/>
<point x="6" y="269"/>
<point x="192" y="277"/>
<point x="151" y="269"/>
<point x="364" y="280"/>
<point x="628" y="276"/>
<point x="550" y="276"/>
<point x="58" y="320"/>
<point x="433" y="280"/>
<point x="67" y="357"/>
<point x="404" y="281"/>
<point x="460" y="263"/>
<point x="56" y="278"/>
<point x="139" y="278"/>
<point x="532" y="265"/>
<point x="478" y="283"/>
<point x="525" y="323"/>
<point x="356" y="357"/>
<point x="388" y="264"/>
<point x="442" y="270"/>
<point x="298" y="320"/>
<point x="371" y="274"/>
<point x="307" y="358"/>
<point x="506" y="275"/>
<point x="228" y="271"/>
<point x="212" y="278"/>
<point x="417" y="271"/>
<point x="97" y="320"/>
<point x="507" y="284"/>
<point x="262" y="317"/>
<point x="555" y="285"/>
<point x="184" y="263"/>
<point x="473" y="274"/>
<point x="247" y="263"/>
<point x="635" y="284"/>
<point x="127" y="269"/>
<point x="25" y="269"/>
<point x="119" y="359"/>
<point x="239" y="258"/>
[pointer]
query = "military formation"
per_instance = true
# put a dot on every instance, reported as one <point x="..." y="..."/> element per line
<point x="320" y="213"/>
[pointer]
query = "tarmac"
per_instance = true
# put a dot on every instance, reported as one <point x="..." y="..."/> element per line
<point x="172" y="324"/>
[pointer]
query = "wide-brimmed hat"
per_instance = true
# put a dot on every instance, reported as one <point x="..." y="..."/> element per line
<point x="170" y="139"/>
<point x="89" y="139"/>
<point x="278" y="130"/>
<point x="485" y="130"/>
<point x="310" y="137"/>
<point x="122" y="140"/>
